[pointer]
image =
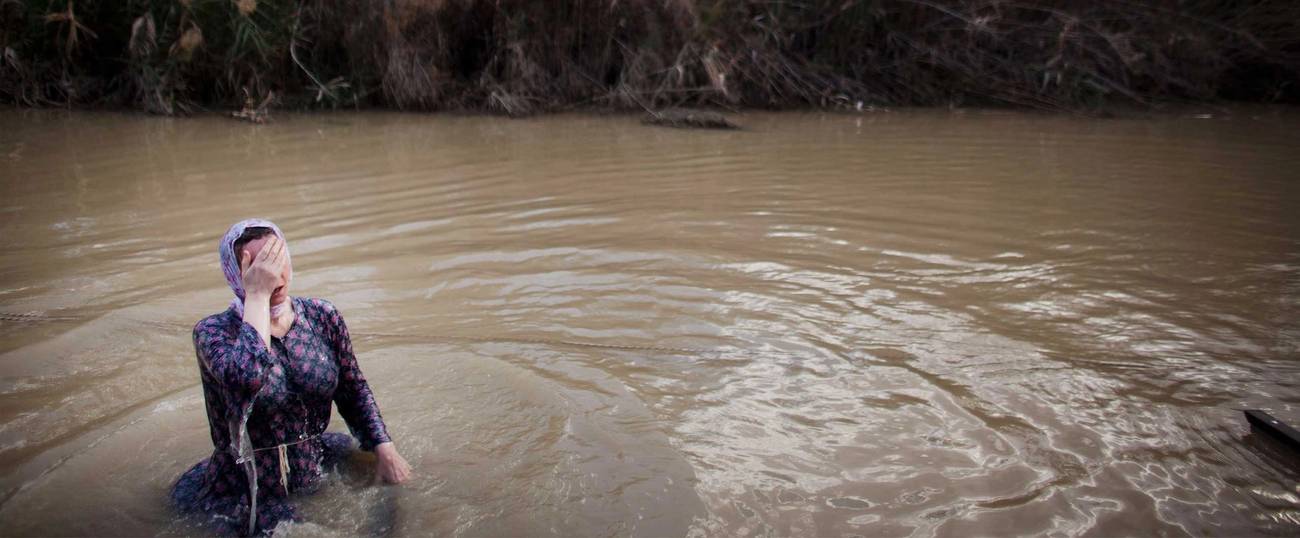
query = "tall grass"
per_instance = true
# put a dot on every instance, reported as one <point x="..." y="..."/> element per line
<point x="522" y="56"/>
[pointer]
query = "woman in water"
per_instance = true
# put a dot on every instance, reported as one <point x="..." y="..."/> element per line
<point x="271" y="366"/>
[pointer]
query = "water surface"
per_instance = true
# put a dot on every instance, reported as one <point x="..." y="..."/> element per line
<point x="903" y="323"/>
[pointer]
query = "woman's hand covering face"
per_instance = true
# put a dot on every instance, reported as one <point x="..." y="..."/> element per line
<point x="263" y="273"/>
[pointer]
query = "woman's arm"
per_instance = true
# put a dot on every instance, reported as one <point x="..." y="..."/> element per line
<point x="353" y="396"/>
<point x="237" y="364"/>
<point x="357" y="405"/>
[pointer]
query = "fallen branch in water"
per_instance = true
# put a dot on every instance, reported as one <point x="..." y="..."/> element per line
<point x="254" y="113"/>
<point x="687" y="118"/>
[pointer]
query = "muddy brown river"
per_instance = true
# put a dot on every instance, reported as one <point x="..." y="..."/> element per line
<point x="908" y="323"/>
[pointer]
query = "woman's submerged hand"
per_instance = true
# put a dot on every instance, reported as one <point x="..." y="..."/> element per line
<point x="392" y="467"/>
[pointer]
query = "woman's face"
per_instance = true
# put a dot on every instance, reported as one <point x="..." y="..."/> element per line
<point x="250" y="253"/>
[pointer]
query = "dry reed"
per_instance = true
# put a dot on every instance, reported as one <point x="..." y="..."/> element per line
<point x="518" y="57"/>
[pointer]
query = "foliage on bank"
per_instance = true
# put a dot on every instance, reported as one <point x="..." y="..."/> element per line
<point x="523" y="56"/>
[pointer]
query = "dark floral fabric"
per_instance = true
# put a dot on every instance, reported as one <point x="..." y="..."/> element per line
<point x="259" y="398"/>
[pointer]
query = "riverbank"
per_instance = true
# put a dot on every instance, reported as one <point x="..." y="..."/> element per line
<point x="520" y="58"/>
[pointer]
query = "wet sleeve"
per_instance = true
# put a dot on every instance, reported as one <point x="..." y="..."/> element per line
<point x="237" y="364"/>
<point x="355" y="401"/>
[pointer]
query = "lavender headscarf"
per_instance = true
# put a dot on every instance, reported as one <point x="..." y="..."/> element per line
<point x="230" y="263"/>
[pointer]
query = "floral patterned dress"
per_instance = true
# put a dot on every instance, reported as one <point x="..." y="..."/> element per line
<point x="267" y="413"/>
